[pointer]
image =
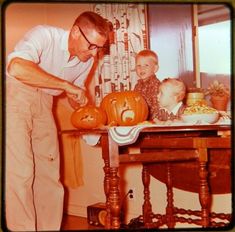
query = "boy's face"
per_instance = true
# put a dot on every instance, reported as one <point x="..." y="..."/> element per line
<point x="166" y="97"/>
<point x="145" y="67"/>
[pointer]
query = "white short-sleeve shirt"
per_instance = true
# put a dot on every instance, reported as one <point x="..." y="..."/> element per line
<point x="48" y="47"/>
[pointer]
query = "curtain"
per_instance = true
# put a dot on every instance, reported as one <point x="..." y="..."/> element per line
<point x="116" y="67"/>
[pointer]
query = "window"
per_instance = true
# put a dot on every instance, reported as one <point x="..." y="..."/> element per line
<point x="215" y="48"/>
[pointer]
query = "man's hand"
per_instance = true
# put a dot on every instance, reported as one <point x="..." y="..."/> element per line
<point x="76" y="94"/>
<point x="73" y="104"/>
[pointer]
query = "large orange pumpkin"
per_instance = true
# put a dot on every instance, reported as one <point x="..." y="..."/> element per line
<point x="126" y="108"/>
<point x="88" y="117"/>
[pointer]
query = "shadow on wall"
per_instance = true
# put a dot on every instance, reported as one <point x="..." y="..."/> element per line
<point x="207" y="78"/>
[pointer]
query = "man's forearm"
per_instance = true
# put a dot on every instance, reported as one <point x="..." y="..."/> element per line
<point x="31" y="74"/>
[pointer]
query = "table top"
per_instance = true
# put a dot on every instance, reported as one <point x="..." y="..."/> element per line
<point x="126" y="135"/>
<point x="153" y="128"/>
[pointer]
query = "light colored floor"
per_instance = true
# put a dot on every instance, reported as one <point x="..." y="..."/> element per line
<point x="77" y="223"/>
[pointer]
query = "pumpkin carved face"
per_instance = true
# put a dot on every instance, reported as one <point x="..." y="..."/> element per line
<point x="88" y="117"/>
<point x="125" y="108"/>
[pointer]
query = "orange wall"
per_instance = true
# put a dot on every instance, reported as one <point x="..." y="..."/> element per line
<point x="20" y="17"/>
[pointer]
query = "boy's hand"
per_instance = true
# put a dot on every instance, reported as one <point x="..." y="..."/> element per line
<point x="158" y="122"/>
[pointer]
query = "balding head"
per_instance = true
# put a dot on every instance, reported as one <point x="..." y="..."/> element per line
<point x="91" y="20"/>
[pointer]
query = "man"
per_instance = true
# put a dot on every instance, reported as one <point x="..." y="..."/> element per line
<point x="45" y="63"/>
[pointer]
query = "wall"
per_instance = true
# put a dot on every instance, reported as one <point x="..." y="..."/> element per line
<point x="32" y="14"/>
<point x="78" y="199"/>
<point x="170" y="29"/>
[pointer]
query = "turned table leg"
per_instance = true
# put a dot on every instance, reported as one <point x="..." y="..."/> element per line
<point x="111" y="182"/>
<point x="110" y="155"/>
<point x="106" y="191"/>
<point x="147" y="207"/>
<point x="114" y="198"/>
<point x="204" y="193"/>
<point x="170" y="199"/>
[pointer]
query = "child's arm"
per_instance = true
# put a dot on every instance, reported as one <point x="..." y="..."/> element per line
<point x="159" y="122"/>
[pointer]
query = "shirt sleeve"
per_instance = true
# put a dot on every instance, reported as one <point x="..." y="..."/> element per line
<point x="30" y="47"/>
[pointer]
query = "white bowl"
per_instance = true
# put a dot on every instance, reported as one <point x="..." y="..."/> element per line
<point x="200" y="118"/>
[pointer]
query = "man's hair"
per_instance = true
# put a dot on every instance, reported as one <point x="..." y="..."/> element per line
<point x="148" y="53"/>
<point x="178" y="87"/>
<point x="92" y="20"/>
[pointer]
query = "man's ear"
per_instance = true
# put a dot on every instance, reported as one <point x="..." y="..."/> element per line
<point x="176" y="97"/>
<point x="179" y="97"/>
<point x="75" y="32"/>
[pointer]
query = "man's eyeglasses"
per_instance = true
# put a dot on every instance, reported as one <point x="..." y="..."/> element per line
<point x="91" y="45"/>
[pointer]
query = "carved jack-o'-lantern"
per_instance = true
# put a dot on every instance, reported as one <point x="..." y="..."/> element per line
<point x="88" y="117"/>
<point x="125" y="108"/>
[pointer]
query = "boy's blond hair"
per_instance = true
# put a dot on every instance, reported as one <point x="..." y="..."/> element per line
<point x="178" y="87"/>
<point x="148" y="53"/>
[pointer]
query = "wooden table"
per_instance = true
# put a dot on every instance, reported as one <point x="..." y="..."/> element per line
<point x="161" y="144"/>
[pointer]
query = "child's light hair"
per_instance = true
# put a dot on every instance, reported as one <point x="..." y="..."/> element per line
<point x="177" y="86"/>
<point x="148" y="53"/>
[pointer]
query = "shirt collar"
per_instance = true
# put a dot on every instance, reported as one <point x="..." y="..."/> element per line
<point x="64" y="41"/>
<point x="153" y="77"/>
<point x="175" y="109"/>
<point x="64" y="46"/>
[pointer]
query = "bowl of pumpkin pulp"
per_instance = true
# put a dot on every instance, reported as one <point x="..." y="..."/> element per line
<point x="200" y="113"/>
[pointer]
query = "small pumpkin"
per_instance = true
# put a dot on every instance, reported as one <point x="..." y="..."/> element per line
<point x="88" y="117"/>
<point x="125" y="108"/>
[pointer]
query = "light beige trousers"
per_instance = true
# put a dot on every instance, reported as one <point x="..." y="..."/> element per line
<point x="33" y="192"/>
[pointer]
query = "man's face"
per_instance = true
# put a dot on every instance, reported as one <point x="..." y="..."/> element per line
<point x="86" y="43"/>
<point x="145" y="67"/>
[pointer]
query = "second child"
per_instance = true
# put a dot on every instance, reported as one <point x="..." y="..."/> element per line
<point x="172" y="91"/>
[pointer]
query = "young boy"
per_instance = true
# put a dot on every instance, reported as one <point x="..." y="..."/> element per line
<point x="171" y="94"/>
<point x="148" y="84"/>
